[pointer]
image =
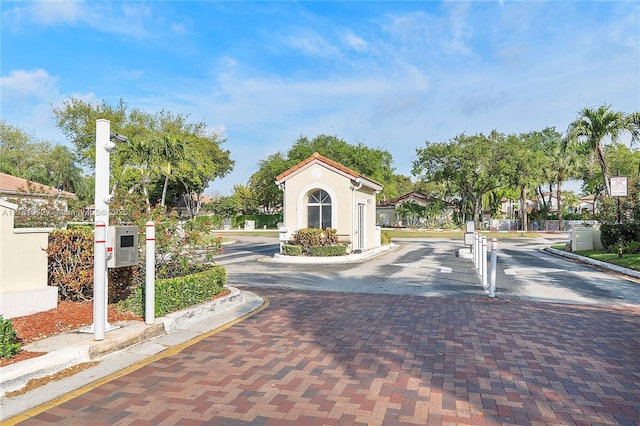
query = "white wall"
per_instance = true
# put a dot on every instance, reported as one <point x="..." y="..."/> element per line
<point x="23" y="268"/>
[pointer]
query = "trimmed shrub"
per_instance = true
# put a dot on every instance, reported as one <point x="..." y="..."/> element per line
<point x="8" y="344"/>
<point x="309" y="237"/>
<point x="291" y="250"/>
<point x="173" y="294"/>
<point x="609" y="234"/>
<point x="385" y="238"/>
<point x="335" y="250"/>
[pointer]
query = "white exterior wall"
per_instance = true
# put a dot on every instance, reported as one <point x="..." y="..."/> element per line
<point x="23" y="268"/>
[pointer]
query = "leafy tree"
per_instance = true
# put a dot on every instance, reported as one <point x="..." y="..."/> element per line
<point x="22" y="155"/>
<point x="593" y="126"/>
<point x="398" y="186"/>
<point x="161" y="146"/>
<point x="470" y="165"/>
<point x="77" y="121"/>
<point x="372" y="163"/>
<point x="375" y="164"/>
<point x="262" y="183"/>
<point x="524" y="167"/>
<point x="226" y="206"/>
<point x="245" y="199"/>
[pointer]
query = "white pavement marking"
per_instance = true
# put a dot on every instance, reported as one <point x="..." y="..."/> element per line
<point x="519" y="271"/>
<point x="443" y="269"/>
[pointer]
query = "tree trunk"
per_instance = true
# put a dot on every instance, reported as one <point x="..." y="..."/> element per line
<point x="559" y="202"/>
<point x="164" y="189"/>
<point x="523" y="207"/>
<point x="605" y="169"/>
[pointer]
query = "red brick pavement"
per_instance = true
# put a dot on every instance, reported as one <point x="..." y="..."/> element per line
<point x="320" y="358"/>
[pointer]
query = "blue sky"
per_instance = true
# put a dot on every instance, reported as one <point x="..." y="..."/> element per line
<point x="389" y="74"/>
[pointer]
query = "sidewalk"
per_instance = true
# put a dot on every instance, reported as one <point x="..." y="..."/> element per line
<point x="121" y="348"/>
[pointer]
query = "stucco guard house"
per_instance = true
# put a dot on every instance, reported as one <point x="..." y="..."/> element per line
<point x="321" y="193"/>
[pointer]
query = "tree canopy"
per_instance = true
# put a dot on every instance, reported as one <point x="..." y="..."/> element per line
<point x="164" y="150"/>
<point x="23" y="156"/>
<point x="375" y="164"/>
<point x="470" y="166"/>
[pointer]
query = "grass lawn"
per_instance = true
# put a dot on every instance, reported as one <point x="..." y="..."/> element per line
<point x="631" y="261"/>
<point x="459" y="234"/>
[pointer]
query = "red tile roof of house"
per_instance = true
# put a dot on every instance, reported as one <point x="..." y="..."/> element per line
<point x="11" y="185"/>
<point x="329" y="162"/>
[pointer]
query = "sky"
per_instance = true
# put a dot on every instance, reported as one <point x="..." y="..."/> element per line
<point x="392" y="75"/>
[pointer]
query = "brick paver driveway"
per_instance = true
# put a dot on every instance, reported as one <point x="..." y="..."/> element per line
<point x="347" y="358"/>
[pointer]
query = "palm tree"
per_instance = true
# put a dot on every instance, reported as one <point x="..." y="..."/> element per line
<point x="170" y="151"/>
<point x="593" y="126"/>
<point x="411" y="211"/>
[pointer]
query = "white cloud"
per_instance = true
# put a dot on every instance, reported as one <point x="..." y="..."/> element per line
<point x="117" y="18"/>
<point x="312" y="44"/>
<point x="355" y="42"/>
<point x="36" y="83"/>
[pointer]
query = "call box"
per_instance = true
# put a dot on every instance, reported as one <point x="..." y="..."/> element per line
<point x="122" y="246"/>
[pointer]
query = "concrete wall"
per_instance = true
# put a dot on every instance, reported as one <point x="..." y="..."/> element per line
<point x="23" y="268"/>
<point x="345" y="197"/>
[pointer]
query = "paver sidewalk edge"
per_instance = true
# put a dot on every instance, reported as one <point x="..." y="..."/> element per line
<point x="16" y="376"/>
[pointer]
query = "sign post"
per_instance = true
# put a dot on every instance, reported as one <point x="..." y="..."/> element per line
<point x="619" y="188"/>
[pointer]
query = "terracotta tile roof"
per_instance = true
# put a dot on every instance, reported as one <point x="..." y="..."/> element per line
<point x="317" y="157"/>
<point x="11" y="185"/>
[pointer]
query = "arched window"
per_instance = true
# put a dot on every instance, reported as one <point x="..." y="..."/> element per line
<point x="319" y="210"/>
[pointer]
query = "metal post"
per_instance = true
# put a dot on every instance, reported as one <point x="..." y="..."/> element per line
<point x="99" y="261"/>
<point x="494" y="257"/>
<point x="101" y="192"/>
<point x="150" y="274"/>
<point x="484" y="262"/>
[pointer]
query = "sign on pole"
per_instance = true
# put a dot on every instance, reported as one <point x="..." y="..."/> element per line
<point x="619" y="186"/>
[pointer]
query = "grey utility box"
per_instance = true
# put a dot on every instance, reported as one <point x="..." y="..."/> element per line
<point x="122" y="246"/>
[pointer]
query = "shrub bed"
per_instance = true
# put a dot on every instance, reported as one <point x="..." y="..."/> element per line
<point x="291" y="250"/>
<point x="335" y="250"/>
<point x="173" y="294"/>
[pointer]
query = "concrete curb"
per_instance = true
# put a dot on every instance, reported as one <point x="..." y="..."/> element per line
<point x="68" y="349"/>
<point x="355" y="257"/>
<point x="593" y="262"/>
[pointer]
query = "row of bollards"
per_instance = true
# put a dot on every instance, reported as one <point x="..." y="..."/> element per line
<point x="479" y="254"/>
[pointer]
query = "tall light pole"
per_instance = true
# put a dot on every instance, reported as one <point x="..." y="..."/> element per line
<point x="102" y="198"/>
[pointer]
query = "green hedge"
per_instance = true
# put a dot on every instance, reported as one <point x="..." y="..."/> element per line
<point x="173" y="294"/>
<point x="291" y="250"/>
<point x="336" y="250"/>
<point x="270" y="220"/>
<point x="630" y="231"/>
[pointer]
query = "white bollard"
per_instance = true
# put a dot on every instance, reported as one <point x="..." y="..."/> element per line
<point x="150" y="274"/>
<point x="494" y="257"/>
<point x="99" y="284"/>
<point x="476" y="252"/>
<point x="484" y="262"/>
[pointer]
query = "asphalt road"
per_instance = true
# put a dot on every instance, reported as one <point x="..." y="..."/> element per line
<point x="430" y="267"/>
